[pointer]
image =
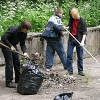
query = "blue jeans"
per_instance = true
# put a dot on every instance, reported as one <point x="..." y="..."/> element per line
<point x="79" y="51"/>
<point x="52" y="46"/>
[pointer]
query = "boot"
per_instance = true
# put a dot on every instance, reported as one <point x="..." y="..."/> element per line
<point x="10" y="85"/>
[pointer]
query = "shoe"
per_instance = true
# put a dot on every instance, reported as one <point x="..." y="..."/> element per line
<point x="16" y="81"/>
<point x="64" y="68"/>
<point x="11" y="85"/>
<point x="70" y="73"/>
<point x="81" y="74"/>
<point x="48" y="70"/>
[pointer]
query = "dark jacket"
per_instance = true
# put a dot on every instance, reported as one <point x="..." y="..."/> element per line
<point x="81" y="29"/>
<point x="13" y="36"/>
<point x="53" y="28"/>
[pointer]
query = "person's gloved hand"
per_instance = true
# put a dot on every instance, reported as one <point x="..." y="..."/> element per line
<point x="82" y="43"/>
<point x="13" y="48"/>
<point x="64" y="27"/>
<point x="26" y="55"/>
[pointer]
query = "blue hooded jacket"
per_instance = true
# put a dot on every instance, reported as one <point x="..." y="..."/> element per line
<point x="53" y="28"/>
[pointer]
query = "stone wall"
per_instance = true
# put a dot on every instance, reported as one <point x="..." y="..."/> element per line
<point x="35" y="43"/>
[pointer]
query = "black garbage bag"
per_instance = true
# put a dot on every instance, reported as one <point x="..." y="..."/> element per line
<point x="30" y="79"/>
<point x="64" y="96"/>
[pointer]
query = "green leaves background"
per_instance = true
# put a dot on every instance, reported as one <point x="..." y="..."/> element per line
<point x="12" y="12"/>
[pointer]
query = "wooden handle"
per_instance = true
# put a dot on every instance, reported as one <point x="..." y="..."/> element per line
<point x="14" y="51"/>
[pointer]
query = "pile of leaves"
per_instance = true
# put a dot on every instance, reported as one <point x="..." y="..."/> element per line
<point x="55" y="80"/>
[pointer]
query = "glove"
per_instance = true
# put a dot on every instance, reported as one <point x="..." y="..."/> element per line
<point x="26" y="55"/>
<point x="82" y="43"/>
<point x="64" y="27"/>
<point x="13" y="48"/>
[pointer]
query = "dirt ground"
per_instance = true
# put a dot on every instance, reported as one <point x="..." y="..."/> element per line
<point x="84" y="88"/>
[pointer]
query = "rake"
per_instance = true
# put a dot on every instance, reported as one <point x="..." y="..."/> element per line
<point x="84" y="48"/>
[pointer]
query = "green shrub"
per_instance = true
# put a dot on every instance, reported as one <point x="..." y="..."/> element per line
<point x="12" y="13"/>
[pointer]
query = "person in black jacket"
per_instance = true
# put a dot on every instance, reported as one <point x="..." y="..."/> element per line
<point x="53" y="35"/>
<point x="13" y="36"/>
<point x="77" y="28"/>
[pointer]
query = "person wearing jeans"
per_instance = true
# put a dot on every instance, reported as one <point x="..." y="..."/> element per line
<point x="79" y="51"/>
<point x="53" y="35"/>
<point x="77" y="28"/>
<point x="55" y="45"/>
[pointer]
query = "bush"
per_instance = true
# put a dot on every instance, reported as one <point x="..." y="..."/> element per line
<point x="12" y="13"/>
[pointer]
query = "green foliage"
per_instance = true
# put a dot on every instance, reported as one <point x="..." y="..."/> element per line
<point x="39" y="11"/>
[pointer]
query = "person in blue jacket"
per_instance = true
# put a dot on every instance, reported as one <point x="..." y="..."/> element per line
<point x="53" y="35"/>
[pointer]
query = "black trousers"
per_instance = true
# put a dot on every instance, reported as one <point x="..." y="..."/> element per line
<point x="11" y="60"/>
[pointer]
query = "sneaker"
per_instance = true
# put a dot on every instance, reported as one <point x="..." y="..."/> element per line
<point x="11" y="85"/>
<point x="81" y="74"/>
<point x="70" y="73"/>
<point x="48" y="70"/>
<point x="64" y="68"/>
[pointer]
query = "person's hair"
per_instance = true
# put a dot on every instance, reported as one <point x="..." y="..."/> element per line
<point x="70" y="17"/>
<point x="73" y="9"/>
<point x="26" y="24"/>
<point x="58" y="11"/>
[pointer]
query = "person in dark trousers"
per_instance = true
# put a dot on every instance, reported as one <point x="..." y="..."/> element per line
<point x="13" y="36"/>
<point x="77" y="28"/>
<point x="53" y="35"/>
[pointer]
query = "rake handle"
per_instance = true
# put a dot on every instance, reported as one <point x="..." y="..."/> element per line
<point x="84" y="48"/>
<point x="14" y="51"/>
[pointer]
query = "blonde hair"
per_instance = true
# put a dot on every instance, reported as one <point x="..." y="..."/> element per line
<point x="74" y="11"/>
